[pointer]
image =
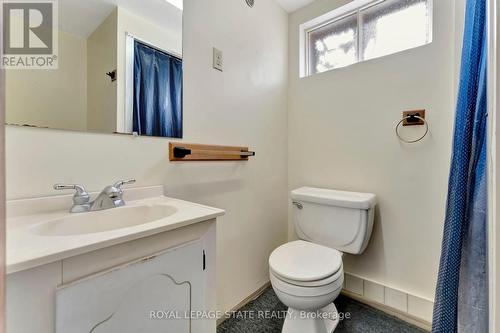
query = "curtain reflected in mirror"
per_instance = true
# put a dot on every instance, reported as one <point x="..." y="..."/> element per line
<point x="120" y="70"/>
<point x="157" y="109"/>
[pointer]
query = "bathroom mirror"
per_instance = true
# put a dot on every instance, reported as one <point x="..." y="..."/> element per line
<point x="120" y="70"/>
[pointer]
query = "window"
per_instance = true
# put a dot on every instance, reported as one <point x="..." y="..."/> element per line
<point x="363" y="30"/>
<point x="334" y="45"/>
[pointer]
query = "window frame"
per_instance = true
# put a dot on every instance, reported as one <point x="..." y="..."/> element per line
<point x="353" y="7"/>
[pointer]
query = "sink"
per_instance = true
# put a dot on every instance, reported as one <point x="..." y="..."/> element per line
<point x="102" y="221"/>
<point x="42" y="230"/>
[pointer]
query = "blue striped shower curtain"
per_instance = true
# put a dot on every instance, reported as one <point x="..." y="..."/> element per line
<point x="461" y="303"/>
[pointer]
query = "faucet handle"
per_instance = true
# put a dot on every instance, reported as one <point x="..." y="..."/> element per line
<point x="81" y="196"/>
<point x="120" y="183"/>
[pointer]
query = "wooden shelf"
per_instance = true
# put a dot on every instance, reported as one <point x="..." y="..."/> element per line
<point x="179" y="151"/>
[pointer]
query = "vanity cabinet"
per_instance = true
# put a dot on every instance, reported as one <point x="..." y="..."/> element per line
<point x="152" y="284"/>
<point x="153" y="294"/>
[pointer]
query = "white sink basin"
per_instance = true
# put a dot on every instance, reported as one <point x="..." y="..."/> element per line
<point x="42" y="231"/>
<point x="102" y="221"/>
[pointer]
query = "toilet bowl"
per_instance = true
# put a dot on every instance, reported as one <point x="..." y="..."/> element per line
<point x="307" y="275"/>
<point x="307" y="278"/>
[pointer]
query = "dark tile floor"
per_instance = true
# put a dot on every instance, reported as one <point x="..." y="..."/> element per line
<point x="363" y="318"/>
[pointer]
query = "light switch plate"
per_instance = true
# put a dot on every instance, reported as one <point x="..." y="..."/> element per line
<point x="218" y="60"/>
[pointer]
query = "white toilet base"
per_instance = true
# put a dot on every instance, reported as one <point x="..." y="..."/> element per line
<point x="321" y="321"/>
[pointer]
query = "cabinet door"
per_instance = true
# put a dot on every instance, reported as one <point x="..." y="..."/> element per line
<point x="155" y="294"/>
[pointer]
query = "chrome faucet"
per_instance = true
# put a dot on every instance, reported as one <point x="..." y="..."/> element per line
<point x="110" y="197"/>
<point x="81" y="199"/>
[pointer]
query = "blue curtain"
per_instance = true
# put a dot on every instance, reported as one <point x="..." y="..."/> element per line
<point x="157" y="92"/>
<point x="461" y="303"/>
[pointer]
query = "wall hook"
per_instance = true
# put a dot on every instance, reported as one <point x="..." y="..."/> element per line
<point x="112" y="75"/>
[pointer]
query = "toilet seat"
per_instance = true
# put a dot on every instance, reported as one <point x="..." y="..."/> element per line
<point x="305" y="263"/>
<point x="307" y="291"/>
<point x="317" y="283"/>
<point x="306" y="269"/>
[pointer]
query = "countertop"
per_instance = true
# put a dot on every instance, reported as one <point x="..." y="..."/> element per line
<point x="27" y="249"/>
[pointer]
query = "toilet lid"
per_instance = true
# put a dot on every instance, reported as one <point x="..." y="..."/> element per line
<point x="305" y="261"/>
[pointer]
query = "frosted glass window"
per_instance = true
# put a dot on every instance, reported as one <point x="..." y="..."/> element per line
<point x="364" y="30"/>
<point x="393" y="26"/>
<point x="333" y="45"/>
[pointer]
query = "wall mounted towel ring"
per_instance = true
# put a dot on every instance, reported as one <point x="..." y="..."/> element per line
<point x="409" y="119"/>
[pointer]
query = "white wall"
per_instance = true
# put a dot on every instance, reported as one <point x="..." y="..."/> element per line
<point x="341" y="135"/>
<point x="51" y="98"/>
<point x="101" y="91"/>
<point x="244" y="105"/>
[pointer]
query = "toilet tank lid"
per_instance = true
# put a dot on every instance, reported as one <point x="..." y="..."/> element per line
<point x="336" y="198"/>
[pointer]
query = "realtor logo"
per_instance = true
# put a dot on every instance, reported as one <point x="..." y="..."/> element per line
<point x="29" y="34"/>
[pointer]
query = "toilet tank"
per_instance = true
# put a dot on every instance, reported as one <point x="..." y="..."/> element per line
<point x="337" y="219"/>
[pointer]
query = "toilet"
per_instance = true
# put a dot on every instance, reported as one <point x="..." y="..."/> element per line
<point x="307" y="274"/>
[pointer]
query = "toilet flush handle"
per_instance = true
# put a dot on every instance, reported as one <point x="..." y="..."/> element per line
<point x="297" y="204"/>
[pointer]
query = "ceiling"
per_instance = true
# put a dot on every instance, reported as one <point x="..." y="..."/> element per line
<point x="293" y="5"/>
<point x="81" y="18"/>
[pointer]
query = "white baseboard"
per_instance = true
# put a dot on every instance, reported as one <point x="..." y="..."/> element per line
<point x="407" y="307"/>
